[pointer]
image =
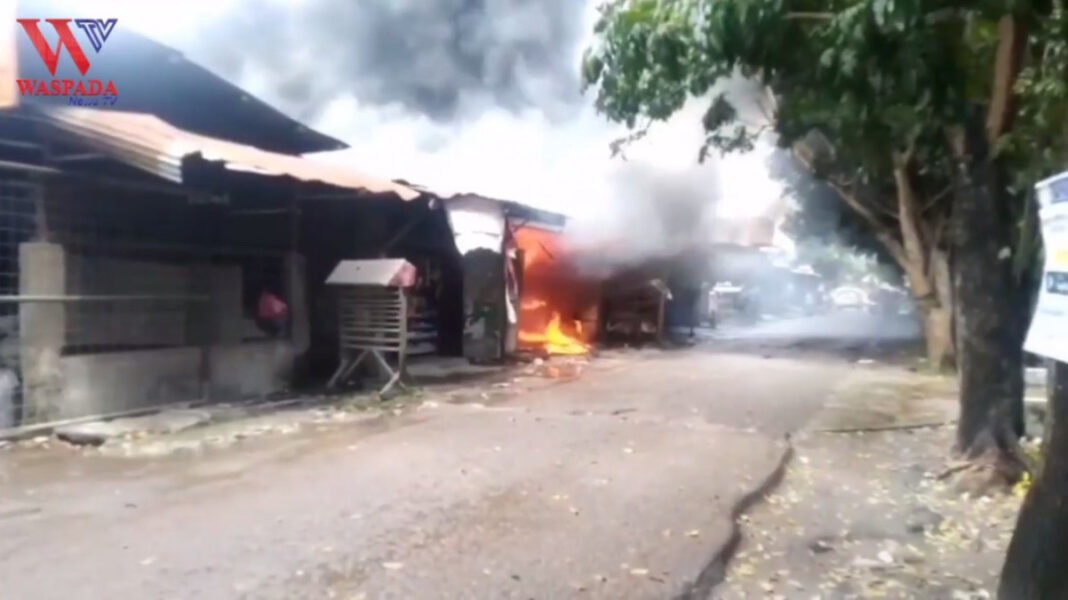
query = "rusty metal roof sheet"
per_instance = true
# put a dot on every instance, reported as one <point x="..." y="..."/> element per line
<point x="391" y="272"/>
<point x="151" y="144"/>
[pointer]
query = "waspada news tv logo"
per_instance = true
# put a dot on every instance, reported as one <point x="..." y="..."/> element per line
<point x="81" y="92"/>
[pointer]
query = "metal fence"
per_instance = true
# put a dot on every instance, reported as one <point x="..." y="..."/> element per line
<point x="17" y="206"/>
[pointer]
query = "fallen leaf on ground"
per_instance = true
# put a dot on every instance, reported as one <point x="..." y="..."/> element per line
<point x="745" y="570"/>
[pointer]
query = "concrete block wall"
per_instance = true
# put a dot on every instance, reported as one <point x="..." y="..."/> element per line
<point x="42" y="268"/>
<point x="251" y="370"/>
<point x="102" y="324"/>
<point x="119" y="381"/>
<point x="58" y="387"/>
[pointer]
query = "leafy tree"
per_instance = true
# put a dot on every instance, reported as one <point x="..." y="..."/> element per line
<point x="1038" y="146"/>
<point x="845" y="76"/>
<point x="904" y="107"/>
<point x="821" y="221"/>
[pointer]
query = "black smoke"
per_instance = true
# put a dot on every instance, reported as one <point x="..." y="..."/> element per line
<point x="445" y="59"/>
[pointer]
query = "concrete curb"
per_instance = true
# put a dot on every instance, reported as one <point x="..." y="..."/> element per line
<point x="715" y="570"/>
<point x="26" y="432"/>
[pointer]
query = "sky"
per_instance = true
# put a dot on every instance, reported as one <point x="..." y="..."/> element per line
<point x="457" y="95"/>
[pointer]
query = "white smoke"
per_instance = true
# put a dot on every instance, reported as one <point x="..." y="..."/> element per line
<point x="477" y="96"/>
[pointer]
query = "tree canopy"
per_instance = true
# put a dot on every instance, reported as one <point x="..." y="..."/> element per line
<point x="872" y="95"/>
<point x="931" y="119"/>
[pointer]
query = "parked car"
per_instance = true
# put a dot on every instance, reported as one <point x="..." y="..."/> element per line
<point x="850" y="298"/>
<point x="724" y="300"/>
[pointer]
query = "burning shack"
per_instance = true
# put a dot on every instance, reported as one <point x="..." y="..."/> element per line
<point x="491" y="276"/>
<point x="177" y="248"/>
<point x="515" y="275"/>
<point x="559" y="306"/>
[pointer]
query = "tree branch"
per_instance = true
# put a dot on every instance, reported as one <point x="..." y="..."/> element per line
<point x="619" y="145"/>
<point x="882" y="232"/>
<point x="810" y="16"/>
<point x="908" y="219"/>
<point x="937" y="232"/>
<point x="934" y="199"/>
<point x="1012" y="41"/>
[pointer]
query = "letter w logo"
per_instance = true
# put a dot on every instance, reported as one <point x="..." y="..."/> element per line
<point x="66" y="38"/>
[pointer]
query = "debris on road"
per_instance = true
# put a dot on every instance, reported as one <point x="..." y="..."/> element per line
<point x="866" y="515"/>
<point x="524" y="482"/>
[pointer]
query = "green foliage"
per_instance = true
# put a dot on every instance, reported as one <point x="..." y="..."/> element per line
<point x="1038" y="144"/>
<point x="879" y="79"/>
<point x="868" y="73"/>
<point x="873" y="76"/>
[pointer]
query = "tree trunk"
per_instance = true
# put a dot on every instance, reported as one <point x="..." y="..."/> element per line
<point x="934" y="306"/>
<point x="1034" y="566"/>
<point x="929" y="280"/>
<point x="938" y="337"/>
<point x="943" y="354"/>
<point x="927" y="271"/>
<point x="989" y="349"/>
<point x="1012" y="43"/>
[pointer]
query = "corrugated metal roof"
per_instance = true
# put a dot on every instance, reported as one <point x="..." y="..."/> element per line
<point x="514" y="209"/>
<point x="151" y="144"/>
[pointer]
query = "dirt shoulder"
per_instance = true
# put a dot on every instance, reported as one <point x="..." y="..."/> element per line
<point x="862" y="511"/>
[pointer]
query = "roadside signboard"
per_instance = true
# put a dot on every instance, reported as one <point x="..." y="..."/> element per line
<point x="1048" y="335"/>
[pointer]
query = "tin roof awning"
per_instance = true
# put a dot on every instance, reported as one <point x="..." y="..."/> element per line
<point x="525" y="214"/>
<point x="153" y="145"/>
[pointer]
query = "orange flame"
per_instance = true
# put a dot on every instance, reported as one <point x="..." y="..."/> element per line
<point x="554" y="340"/>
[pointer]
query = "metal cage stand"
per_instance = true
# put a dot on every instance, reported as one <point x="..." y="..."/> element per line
<point x="372" y="316"/>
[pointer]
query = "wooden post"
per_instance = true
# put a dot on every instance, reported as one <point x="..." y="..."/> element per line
<point x="204" y="333"/>
<point x="661" y="321"/>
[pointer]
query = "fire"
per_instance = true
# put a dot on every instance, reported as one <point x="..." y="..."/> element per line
<point x="554" y="339"/>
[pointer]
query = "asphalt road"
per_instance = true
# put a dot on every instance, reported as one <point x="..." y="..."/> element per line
<point x="843" y="327"/>
<point x="618" y="484"/>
